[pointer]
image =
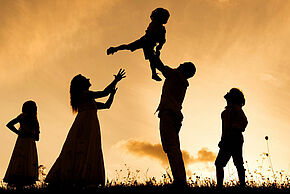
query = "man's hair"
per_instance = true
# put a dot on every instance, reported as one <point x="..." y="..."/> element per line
<point x="188" y="69"/>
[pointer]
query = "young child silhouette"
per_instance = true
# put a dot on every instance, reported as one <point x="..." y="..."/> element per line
<point x="234" y="122"/>
<point x="23" y="165"/>
<point x="155" y="33"/>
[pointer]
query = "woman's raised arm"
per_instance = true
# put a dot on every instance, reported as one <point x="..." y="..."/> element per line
<point x="109" y="89"/>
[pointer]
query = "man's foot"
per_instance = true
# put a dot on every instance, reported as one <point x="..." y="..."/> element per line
<point x="156" y="77"/>
<point x="111" y="50"/>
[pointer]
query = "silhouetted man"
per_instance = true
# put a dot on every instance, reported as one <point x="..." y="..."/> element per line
<point x="173" y="93"/>
<point x="234" y="122"/>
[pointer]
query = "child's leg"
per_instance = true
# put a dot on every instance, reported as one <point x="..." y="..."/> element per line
<point x="239" y="163"/>
<point x="149" y="54"/>
<point x="154" y="73"/>
<point x="153" y="70"/>
<point x="131" y="46"/>
<point x="221" y="161"/>
<point x="112" y="50"/>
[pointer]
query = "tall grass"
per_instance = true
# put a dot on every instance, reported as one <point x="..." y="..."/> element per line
<point x="128" y="179"/>
<point x="263" y="178"/>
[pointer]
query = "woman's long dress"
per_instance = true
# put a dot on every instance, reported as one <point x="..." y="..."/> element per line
<point x="23" y="165"/>
<point x="81" y="159"/>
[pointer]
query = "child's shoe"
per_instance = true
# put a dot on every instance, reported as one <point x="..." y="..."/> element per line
<point x="111" y="50"/>
<point x="156" y="77"/>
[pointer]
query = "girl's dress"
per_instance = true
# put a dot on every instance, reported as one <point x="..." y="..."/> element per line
<point x="81" y="159"/>
<point x="23" y="165"/>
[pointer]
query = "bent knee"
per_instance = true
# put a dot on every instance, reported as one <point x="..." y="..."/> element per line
<point x="220" y="164"/>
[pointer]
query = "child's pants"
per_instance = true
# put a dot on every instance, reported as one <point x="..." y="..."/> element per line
<point x="228" y="150"/>
<point x="145" y="44"/>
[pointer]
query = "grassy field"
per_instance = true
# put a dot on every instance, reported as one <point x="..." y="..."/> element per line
<point x="130" y="181"/>
<point x="148" y="188"/>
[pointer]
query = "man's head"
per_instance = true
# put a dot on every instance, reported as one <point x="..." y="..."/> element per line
<point x="187" y="69"/>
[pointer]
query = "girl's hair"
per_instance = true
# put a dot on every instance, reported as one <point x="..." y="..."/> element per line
<point x="160" y="14"/>
<point x="77" y="85"/>
<point x="29" y="108"/>
<point x="235" y="96"/>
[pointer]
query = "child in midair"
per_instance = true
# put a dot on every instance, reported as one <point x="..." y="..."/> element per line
<point x="155" y="33"/>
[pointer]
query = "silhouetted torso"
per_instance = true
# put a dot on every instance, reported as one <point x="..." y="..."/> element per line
<point x="234" y="123"/>
<point x="27" y="126"/>
<point x="155" y="33"/>
<point x="173" y="91"/>
<point x="87" y="102"/>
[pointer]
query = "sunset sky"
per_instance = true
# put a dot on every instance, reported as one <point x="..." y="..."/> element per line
<point x="233" y="43"/>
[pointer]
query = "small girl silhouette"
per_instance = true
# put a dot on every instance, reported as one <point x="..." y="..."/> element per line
<point x="155" y="33"/>
<point x="234" y="122"/>
<point x="23" y="166"/>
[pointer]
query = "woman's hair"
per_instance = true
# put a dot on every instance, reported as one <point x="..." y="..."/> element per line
<point x="29" y="108"/>
<point x="160" y="14"/>
<point x="77" y="85"/>
<point x="235" y="96"/>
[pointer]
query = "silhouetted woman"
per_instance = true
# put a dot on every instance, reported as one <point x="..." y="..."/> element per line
<point x="234" y="122"/>
<point x="23" y="166"/>
<point x="80" y="162"/>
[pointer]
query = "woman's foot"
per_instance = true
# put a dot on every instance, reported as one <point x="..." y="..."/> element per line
<point x="111" y="50"/>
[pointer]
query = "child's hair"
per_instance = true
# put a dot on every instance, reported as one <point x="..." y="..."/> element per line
<point x="77" y="85"/>
<point x="29" y="108"/>
<point x="160" y="15"/>
<point x="235" y="96"/>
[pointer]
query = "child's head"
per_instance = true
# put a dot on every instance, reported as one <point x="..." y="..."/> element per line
<point x="161" y="15"/>
<point x="235" y="96"/>
<point x="30" y="108"/>
<point x="187" y="69"/>
<point x="78" y="84"/>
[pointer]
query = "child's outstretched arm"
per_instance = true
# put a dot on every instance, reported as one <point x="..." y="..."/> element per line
<point x="109" y="102"/>
<point x="11" y="126"/>
<point x="111" y="86"/>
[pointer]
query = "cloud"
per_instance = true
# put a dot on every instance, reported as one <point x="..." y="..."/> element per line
<point x="155" y="151"/>
<point x="271" y="79"/>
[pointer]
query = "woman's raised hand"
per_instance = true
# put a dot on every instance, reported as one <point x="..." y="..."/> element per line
<point x="120" y="75"/>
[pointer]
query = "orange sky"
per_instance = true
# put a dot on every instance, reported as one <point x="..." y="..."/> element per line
<point x="234" y="43"/>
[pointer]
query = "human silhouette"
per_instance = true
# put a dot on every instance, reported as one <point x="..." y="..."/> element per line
<point x="234" y="122"/>
<point x="23" y="165"/>
<point x="173" y="93"/>
<point x="80" y="162"/>
<point x="155" y="33"/>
